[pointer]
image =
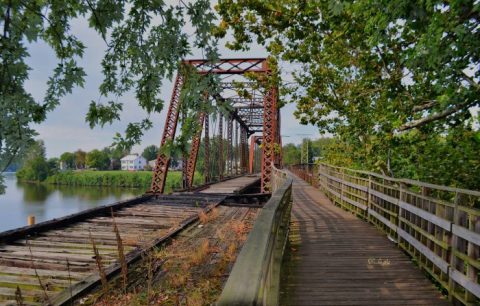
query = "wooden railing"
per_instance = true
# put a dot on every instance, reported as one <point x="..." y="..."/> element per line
<point x="255" y="277"/>
<point x="438" y="226"/>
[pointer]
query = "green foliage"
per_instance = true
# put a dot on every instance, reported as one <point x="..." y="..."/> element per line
<point x="34" y="170"/>
<point x="97" y="159"/>
<point x="290" y="154"/>
<point x="130" y="179"/>
<point x="392" y="80"/>
<point x="145" y="42"/>
<point x="150" y="152"/>
<point x="53" y="165"/>
<point x="68" y="159"/>
<point x="80" y="159"/>
<point x="35" y="167"/>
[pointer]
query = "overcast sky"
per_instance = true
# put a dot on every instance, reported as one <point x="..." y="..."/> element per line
<point x="65" y="128"/>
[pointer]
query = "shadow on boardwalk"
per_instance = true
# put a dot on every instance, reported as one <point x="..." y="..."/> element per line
<point x="334" y="258"/>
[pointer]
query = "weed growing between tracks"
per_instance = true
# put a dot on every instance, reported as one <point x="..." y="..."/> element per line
<point x="192" y="269"/>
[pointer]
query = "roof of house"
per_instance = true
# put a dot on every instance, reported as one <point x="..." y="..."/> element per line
<point x="131" y="157"/>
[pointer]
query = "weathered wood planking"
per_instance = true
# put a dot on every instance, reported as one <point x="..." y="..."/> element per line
<point x="38" y="264"/>
<point x="233" y="186"/>
<point x="439" y="226"/>
<point x="35" y="258"/>
<point x="337" y="259"/>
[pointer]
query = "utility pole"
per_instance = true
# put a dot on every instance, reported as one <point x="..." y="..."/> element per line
<point x="304" y="149"/>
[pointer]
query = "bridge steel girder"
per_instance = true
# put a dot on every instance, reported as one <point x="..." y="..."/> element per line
<point x="220" y="146"/>
<point x="243" y="151"/>
<point x="230" y="66"/>
<point x="251" y="114"/>
<point x="163" y="161"/>
<point x="269" y="136"/>
<point x="192" y="158"/>
<point x="253" y="142"/>
<point x="229" y="145"/>
<point x="207" y="148"/>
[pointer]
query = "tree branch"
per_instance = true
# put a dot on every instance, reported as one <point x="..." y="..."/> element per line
<point x="428" y="105"/>
<point x="436" y="116"/>
<point x="471" y="81"/>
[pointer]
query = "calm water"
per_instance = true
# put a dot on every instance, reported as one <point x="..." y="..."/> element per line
<point x="46" y="202"/>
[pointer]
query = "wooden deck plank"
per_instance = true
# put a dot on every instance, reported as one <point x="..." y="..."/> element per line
<point x="46" y="251"/>
<point x="334" y="258"/>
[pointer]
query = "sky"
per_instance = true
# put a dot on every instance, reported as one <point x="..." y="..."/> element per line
<point x="65" y="128"/>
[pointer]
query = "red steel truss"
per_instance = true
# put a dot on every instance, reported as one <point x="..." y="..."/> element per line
<point x="229" y="145"/>
<point x="192" y="158"/>
<point x="253" y="112"/>
<point x="220" y="145"/>
<point x="269" y="137"/>
<point x="163" y="160"/>
<point x="254" y="140"/>
<point x="207" y="149"/>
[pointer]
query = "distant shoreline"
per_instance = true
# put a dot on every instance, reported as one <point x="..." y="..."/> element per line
<point x="118" y="178"/>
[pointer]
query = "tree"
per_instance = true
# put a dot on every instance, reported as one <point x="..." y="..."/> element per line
<point x="68" y="160"/>
<point x="376" y="74"/>
<point x="145" y="42"/>
<point x="150" y="152"/>
<point x="115" y="154"/>
<point x="80" y="159"/>
<point x="290" y="154"/>
<point x="98" y="160"/>
<point x="53" y="165"/>
<point x="34" y="170"/>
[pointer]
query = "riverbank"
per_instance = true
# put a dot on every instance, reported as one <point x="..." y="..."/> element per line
<point x="128" y="179"/>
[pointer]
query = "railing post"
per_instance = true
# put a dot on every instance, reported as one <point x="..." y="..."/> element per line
<point x="400" y="211"/>
<point x="453" y="258"/>
<point x="369" y="197"/>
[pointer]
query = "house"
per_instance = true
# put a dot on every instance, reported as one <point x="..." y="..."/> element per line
<point x="133" y="162"/>
<point x="152" y="163"/>
<point x="174" y="164"/>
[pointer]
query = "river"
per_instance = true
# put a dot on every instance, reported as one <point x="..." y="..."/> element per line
<point x="46" y="202"/>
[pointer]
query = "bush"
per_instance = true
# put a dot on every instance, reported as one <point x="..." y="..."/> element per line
<point x="34" y="170"/>
<point x="138" y="179"/>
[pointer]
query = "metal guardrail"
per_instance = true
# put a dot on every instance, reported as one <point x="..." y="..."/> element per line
<point x="438" y="226"/>
<point x="255" y="277"/>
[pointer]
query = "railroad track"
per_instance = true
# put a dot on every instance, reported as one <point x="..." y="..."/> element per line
<point x="46" y="260"/>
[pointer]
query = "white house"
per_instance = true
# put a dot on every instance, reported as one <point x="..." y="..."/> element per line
<point x="174" y="164"/>
<point x="133" y="162"/>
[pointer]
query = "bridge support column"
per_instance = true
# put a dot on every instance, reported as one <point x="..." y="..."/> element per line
<point x="269" y="137"/>
<point x="220" y="146"/>
<point x="192" y="159"/>
<point x="229" y="145"/>
<point x="163" y="160"/>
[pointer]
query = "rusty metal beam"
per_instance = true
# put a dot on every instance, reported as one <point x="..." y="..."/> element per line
<point x="243" y="150"/>
<point x="229" y="145"/>
<point x="192" y="158"/>
<point x="230" y="65"/>
<point x="269" y="137"/>
<point x="207" y="149"/>
<point x="163" y="160"/>
<point x="251" y="155"/>
<point x="220" y="146"/>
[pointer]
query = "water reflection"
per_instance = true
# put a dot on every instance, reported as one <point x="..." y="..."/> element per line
<point x="52" y="201"/>
<point x="34" y="193"/>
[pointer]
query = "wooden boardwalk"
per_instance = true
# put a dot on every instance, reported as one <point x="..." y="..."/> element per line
<point x="232" y="186"/>
<point x="334" y="258"/>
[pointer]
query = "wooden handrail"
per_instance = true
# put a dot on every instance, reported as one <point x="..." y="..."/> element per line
<point x="439" y="226"/>
<point x="255" y="276"/>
